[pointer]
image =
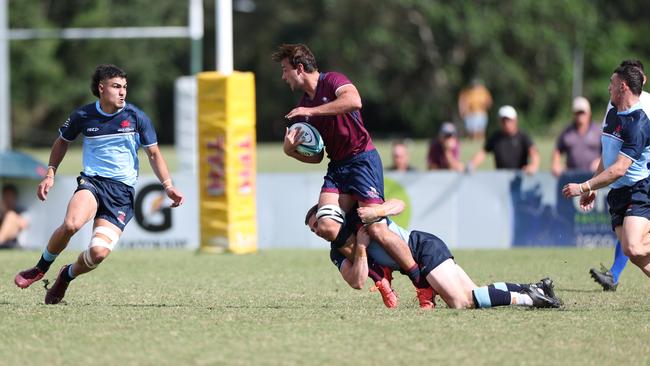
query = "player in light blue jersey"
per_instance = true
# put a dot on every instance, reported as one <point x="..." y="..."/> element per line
<point x="609" y="278"/>
<point x="446" y="278"/>
<point x="113" y="131"/>
<point x="624" y="167"/>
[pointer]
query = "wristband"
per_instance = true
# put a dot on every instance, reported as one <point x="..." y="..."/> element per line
<point x="580" y="188"/>
<point x="588" y="186"/>
<point x="165" y="185"/>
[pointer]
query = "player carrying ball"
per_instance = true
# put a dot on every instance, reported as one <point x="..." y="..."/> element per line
<point x="332" y="104"/>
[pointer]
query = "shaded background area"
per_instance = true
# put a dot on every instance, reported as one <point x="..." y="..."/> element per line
<point x="409" y="58"/>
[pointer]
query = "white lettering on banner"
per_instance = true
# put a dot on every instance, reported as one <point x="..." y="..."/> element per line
<point x="595" y="241"/>
<point x="154" y="244"/>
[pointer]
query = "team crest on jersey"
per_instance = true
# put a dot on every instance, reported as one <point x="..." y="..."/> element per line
<point x="617" y="131"/>
<point x="125" y="126"/>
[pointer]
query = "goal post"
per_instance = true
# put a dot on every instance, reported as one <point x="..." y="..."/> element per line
<point x="227" y="170"/>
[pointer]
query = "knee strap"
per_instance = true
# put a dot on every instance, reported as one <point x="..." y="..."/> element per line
<point x="98" y="241"/>
<point x="333" y="212"/>
<point x="88" y="259"/>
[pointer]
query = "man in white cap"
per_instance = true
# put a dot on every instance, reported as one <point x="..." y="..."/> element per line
<point x="580" y="141"/>
<point x="512" y="148"/>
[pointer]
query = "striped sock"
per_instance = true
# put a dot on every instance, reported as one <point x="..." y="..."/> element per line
<point x="500" y="294"/>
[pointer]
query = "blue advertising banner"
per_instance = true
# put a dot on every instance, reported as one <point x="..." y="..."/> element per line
<point x="541" y="220"/>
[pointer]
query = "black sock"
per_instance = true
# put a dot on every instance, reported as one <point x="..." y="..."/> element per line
<point x="43" y="265"/>
<point x="65" y="274"/>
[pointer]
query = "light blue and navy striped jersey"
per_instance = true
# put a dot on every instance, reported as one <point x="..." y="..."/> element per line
<point x="627" y="133"/>
<point x="111" y="141"/>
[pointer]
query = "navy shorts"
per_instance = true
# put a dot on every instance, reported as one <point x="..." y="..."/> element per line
<point x="361" y="176"/>
<point x="629" y="201"/>
<point x="430" y="251"/>
<point x="114" y="199"/>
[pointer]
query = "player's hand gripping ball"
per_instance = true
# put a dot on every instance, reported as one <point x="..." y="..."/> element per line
<point x="312" y="143"/>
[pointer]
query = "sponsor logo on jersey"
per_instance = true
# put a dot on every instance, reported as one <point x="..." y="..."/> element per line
<point x="92" y="129"/>
<point x="125" y="126"/>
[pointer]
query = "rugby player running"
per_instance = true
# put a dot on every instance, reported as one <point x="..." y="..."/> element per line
<point x="113" y="131"/>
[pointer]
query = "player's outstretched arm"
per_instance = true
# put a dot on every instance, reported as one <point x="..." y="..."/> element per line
<point x="290" y="147"/>
<point x="159" y="167"/>
<point x="391" y="207"/>
<point x="601" y="179"/>
<point x="59" y="149"/>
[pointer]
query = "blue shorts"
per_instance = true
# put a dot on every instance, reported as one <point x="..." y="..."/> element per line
<point x="476" y="122"/>
<point x="428" y="250"/>
<point x="114" y="199"/>
<point x="361" y="176"/>
<point x="629" y="201"/>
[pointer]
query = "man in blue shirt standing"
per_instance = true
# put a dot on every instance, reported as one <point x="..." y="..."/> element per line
<point x="113" y="131"/>
<point x="624" y="167"/>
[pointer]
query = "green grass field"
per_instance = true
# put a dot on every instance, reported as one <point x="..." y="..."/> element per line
<point x="290" y="307"/>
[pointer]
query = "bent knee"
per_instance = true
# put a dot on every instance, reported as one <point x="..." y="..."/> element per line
<point x="98" y="254"/>
<point x="71" y="227"/>
<point x="377" y="230"/>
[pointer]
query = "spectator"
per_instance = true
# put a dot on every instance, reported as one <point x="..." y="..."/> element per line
<point x="512" y="148"/>
<point x="444" y="150"/>
<point x="11" y="221"/>
<point x="473" y="104"/>
<point x="580" y="141"/>
<point x="401" y="157"/>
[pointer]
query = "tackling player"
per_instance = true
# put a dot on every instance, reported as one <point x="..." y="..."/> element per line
<point x="436" y="262"/>
<point x="331" y="103"/>
<point x="113" y="131"/>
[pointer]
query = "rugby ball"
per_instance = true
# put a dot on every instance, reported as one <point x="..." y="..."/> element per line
<point x="312" y="143"/>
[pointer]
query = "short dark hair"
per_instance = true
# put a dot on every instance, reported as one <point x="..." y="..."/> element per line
<point x="296" y="54"/>
<point x="103" y="72"/>
<point x="635" y="63"/>
<point x="10" y="188"/>
<point x="312" y="211"/>
<point x="632" y="76"/>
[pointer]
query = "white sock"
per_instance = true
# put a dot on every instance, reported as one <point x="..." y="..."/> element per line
<point x="520" y="299"/>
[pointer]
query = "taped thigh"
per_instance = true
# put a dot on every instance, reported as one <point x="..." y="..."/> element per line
<point x="100" y="241"/>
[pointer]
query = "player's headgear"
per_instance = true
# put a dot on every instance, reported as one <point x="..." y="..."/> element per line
<point x="333" y="212"/>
